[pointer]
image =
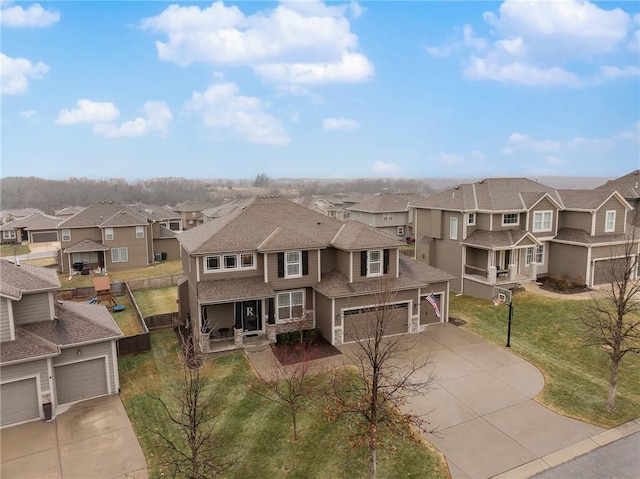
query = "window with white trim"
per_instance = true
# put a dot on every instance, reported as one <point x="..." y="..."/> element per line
<point x="290" y="305"/>
<point x="610" y="221"/>
<point x="66" y="235"/>
<point x="529" y="257"/>
<point x="510" y="219"/>
<point x="292" y="264"/>
<point x="540" y="254"/>
<point x="228" y="262"/>
<point x="400" y="230"/>
<point x="9" y="234"/>
<point x="471" y="219"/>
<point x="453" y="228"/>
<point x="374" y="263"/>
<point x="542" y="221"/>
<point x="139" y="231"/>
<point x="119" y="255"/>
<point x="108" y="234"/>
<point x="387" y="216"/>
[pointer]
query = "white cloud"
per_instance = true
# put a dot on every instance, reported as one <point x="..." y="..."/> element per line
<point x="224" y="111"/>
<point x="382" y="167"/>
<point x="617" y="72"/>
<point x="356" y="9"/>
<point x="29" y="114"/>
<point x="33" y="16"/>
<point x="343" y="124"/>
<point x="88" y="112"/>
<point x="439" y="52"/>
<point x="632" y="134"/>
<point x="518" y="142"/>
<point x="16" y="72"/>
<point x="296" y="42"/>
<point x="542" y="43"/>
<point x="156" y="119"/>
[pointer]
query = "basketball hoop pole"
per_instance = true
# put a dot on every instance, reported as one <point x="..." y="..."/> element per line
<point x="509" y="325"/>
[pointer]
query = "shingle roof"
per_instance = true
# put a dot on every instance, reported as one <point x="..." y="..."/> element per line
<point x="282" y="238"/>
<point x="69" y="211"/>
<point x="76" y="323"/>
<point x="490" y="194"/>
<point x="19" y="213"/>
<point x="26" y="347"/>
<point x="25" y="279"/>
<point x="98" y="213"/>
<point x="166" y="233"/>
<point x="38" y="221"/>
<point x="226" y="208"/>
<point x="628" y="185"/>
<point x="247" y="228"/>
<point x="227" y="290"/>
<point x="189" y="206"/>
<point x="496" y="239"/>
<point x="584" y="199"/>
<point x="413" y="274"/>
<point x="154" y="212"/>
<point x="386" y="202"/>
<point x="86" y="246"/>
<point x="124" y="217"/>
<point x="576" y="235"/>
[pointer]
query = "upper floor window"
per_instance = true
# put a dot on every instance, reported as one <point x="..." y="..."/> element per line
<point x="229" y="262"/>
<point x="290" y="305"/>
<point x="9" y="234"/>
<point x="139" y="231"/>
<point x="387" y="216"/>
<point x="66" y="235"/>
<point x="400" y="230"/>
<point x="293" y="264"/>
<point x="610" y="221"/>
<point x="374" y="262"/>
<point x="453" y="228"/>
<point x="542" y="221"/>
<point x="119" y="255"/>
<point x="510" y="219"/>
<point x="471" y="219"/>
<point x="374" y="266"/>
<point x="108" y="234"/>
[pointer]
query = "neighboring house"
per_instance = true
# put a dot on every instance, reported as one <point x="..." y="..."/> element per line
<point x="508" y="231"/>
<point x="68" y="212"/>
<point x="17" y="214"/>
<point x="111" y="236"/>
<point x="52" y="353"/>
<point x="191" y="213"/>
<point x="629" y="187"/>
<point x="36" y="228"/>
<point x="328" y="206"/>
<point x="224" y="209"/>
<point x="274" y="266"/>
<point x="389" y="212"/>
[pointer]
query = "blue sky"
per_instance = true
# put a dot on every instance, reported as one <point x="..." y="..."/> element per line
<point x="320" y="90"/>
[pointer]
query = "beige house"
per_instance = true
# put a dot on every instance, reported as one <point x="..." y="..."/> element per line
<point x="629" y="187"/>
<point x="275" y="266"/>
<point x="508" y="231"/>
<point x="52" y="353"/>
<point x="110" y="236"/>
<point x="35" y="228"/>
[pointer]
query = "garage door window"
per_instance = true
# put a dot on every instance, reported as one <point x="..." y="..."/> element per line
<point x="290" y="305"/>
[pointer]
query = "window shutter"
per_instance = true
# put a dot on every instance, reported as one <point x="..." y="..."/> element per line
<point x="305" y="263"/>
<point x="280" y="265"/>
<point x="363" y="263"/>
<point x="386" y="261"/>
<point x="238" y="315"/>
<point x="272" y="315"/>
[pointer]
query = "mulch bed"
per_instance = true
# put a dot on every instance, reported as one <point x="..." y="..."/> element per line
<point x="296" y="352"/>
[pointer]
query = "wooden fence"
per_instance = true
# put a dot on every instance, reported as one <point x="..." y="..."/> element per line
<point x="152" y="283"/>
<point x="139" y="343"/>
<point x="165" y="320"/>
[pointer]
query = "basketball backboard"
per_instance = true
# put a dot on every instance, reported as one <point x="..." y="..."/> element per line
<point x="501" y="296"/>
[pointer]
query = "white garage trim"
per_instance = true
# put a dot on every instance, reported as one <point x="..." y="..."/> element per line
<point x="105" y="360"/>
<point x="38" y="396"/>
<point x="116" y="375"/>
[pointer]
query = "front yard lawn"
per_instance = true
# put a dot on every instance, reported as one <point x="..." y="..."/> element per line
<point x="258" y="429"/>
<point x="157" y="301"/>
<point x="545" y="331"/>
<point x="14" y="250"/>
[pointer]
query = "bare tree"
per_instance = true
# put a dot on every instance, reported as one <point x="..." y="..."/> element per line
<point x="612" y="319"/>
<point x="388" y="374"/>
<point x="289" y="383"/>
<point x="190" y="445"/>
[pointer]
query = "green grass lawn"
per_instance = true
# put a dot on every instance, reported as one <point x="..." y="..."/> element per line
<point x="545" y="331"/>
<point x="126" y="320"/>
<point x="163" y="268"/>
<point x="258" y="429"/>
<point x="14" y="249"/>
<point x="157" y="301"/>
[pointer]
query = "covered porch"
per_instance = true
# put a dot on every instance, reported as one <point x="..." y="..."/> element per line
<point x="83" y="257"/>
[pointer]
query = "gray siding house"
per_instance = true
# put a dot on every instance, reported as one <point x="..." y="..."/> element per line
<point x="275" y="266"/>
<point x="508" y="231"/>
<point x="52" y="353"/>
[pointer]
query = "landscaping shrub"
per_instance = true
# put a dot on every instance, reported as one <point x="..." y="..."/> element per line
<point x="283" y="338"/>
<point x="295" y="336"/>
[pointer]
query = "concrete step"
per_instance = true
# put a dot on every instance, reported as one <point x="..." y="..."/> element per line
<point x="256" y="344"/>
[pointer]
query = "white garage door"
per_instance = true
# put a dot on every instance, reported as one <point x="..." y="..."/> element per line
<point x="83" y="380"/>
<point x="19" y="401"/>
<point x="359" y="323"/>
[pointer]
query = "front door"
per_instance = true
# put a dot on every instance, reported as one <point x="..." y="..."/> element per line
<point x="251" y="316"/>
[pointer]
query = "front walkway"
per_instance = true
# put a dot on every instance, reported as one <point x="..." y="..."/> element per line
<point x="93" y="439"/>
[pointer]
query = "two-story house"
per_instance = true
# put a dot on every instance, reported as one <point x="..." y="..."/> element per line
<point x="111" y="236"/>
<point x="52" y="353"/>
<point x="388" y="212"/>
<point x="274" y="266"/>
<point x="629" y="187"/>
<point x="508" y="231"/>
<point x="191" y="213"/>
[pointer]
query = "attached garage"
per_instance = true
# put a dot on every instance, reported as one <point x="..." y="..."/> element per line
<point x="603" y="269"/>
<point x="44" y="237"/>
<point x="20" y="401"/>
<point x="81" y="380"/>
<point x="359" y="322"/>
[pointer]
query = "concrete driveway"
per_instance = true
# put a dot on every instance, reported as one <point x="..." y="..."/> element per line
<point x="93" y="439"/>
<point x="487" y="422"/>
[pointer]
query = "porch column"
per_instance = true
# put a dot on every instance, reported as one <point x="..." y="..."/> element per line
<point x="492" y="274"/>
<point x="534" y="271"/>
<point x="238" y="330"/>
<point x="271" y="321"/>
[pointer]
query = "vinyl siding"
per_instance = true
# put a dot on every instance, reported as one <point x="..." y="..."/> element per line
<point x="88" y="352"/>
<point x="393" y="253"/>
<point x="611" y="204"/>
<point x="32" y="308"/>
<point x="608" y="251"/>
<point x="328" y="260"/>
<point x="497" y="222"/>
<point x="167" y="245"/>
<point x="543" y="205"/>
<point x="31" y="368"/>
<point x="233" y="273"/>
<point x="576" y="219"/>
<point x="5" y="320"/>
<point x="125" y="237"/>
<point x="483" y="221"/>
<point x="567" y="259"/>
<point x="342" y="261"/>
<point x="324" y="319"/>
<point x="292" y="283"/>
